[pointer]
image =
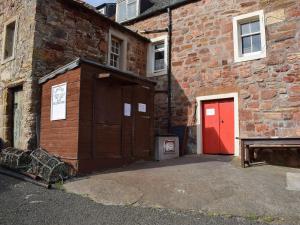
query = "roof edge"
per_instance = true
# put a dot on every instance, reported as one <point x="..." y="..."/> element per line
<point x="70" y="66"/>
<point x="77" y="62"/>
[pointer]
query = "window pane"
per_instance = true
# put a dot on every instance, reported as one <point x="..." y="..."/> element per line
<point x="159" y="46"/>
<point x="131" y="13"/>
<point x="9" y="40"/>
<point x="246" y="44"/>
<point x="245" y="28"/>
<point x="256" y="43"/>
<point x="122" y="11"/>
<point x="255" y="27"/>
<point x="159" y="60"/>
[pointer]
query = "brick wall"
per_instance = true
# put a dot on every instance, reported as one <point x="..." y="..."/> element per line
<point x="202" y="60"/>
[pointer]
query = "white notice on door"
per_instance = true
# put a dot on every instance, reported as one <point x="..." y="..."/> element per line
<point x="59" y="102"/>
<point x="127" y="109"/>
<point x="210" y="112"/>
<point x="142" y="107"/>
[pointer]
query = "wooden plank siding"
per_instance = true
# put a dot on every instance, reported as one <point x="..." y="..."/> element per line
<point x="96" y="135"/>
<point x="61" y="137"/>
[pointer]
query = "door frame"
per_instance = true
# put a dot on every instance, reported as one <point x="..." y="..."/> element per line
<point x="199" y="123"/>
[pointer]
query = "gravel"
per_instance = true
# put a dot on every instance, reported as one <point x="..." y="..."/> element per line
<point x="22" y="203"/>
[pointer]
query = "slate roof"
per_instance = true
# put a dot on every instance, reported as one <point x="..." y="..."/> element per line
<point x="160" y="4"/>
<point x="156" y="6"/>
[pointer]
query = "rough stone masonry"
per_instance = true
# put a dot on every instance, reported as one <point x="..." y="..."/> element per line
<point x="51" y="34"/>
<point x="203" y="64"/>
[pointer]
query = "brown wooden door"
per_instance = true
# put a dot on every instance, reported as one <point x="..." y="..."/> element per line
<point x="143" y="122"/>
<point x="107" y="120"/>
<point x="127" y="122"/>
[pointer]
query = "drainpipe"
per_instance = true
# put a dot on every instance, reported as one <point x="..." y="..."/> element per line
<point x="169" y="66"/>
<point x="169" y="70"/>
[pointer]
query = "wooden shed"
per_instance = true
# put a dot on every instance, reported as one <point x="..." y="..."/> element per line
<point x="96" y="117"/>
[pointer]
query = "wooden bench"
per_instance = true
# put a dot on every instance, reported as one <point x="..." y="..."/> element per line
<point x="264" y="142"/>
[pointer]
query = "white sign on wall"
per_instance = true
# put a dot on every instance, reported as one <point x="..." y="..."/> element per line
<point x="142" y="107"/>
<point x="210" y="112"/>
<point x="127" y="109"/>
<point x="59" y="102"/>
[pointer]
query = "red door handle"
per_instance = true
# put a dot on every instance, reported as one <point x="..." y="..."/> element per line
<point x="222" y="121"/>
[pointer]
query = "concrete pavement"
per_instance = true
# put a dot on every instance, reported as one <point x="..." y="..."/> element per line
<point x="212" y="184"/>
<point x="26" y="204"/>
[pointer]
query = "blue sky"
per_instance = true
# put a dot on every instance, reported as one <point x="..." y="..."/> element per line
<point x="98" y="2"/>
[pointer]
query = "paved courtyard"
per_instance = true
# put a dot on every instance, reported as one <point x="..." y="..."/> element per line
<point x="26" y="204"/>
<point x="210" y="184"/>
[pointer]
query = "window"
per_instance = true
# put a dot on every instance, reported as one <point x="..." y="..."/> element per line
<point x="127" y="9"/>
<point x="157" y="56"/>
<point x="115" y="52"/>
<point x="9" y="40"/>
<point x="131" y="9"/>
<point x="102" y="11"/>
<point x="121" y="12"/>
<point x="249" y="37"/>
<point x="117" y="56"/>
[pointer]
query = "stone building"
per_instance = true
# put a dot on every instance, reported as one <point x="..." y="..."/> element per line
<point x="245" y="51"/>
<point x="233" y="63"/>
<point x="38" y="36"/>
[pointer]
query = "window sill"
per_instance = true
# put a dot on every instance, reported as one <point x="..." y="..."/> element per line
<point x="250" y="57"/>
<point x="157" y="74"/>
<point x="7" y="60"/>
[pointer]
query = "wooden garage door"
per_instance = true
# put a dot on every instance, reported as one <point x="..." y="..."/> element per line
<point x="218" y="127"/>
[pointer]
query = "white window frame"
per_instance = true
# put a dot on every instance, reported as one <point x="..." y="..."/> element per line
<point x="123" y="53"/>
<point x="138" y="3"/>
<point x="102" y="11"/>
<point x="117" y="55"/>
<point x="16" y="20"/>
<point x="237" y="21"/>
<point x="199" y="118"/>
<point x="150" y="62"/>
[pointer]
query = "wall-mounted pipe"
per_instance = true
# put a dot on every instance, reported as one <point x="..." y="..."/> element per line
<point x="170" y="29"/>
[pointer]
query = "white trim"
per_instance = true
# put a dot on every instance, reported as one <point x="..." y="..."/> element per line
<point x="150" y="61"/>
<point x="138" y="11"/>
<point x="16" y="20"/>
<point x="102" y="10"/>
<point x="238" y="56"/>
<point x="123" y="38"/>
<point x="199" y="100"/>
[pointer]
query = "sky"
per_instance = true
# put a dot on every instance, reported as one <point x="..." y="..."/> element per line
<point x="98" y="2"/>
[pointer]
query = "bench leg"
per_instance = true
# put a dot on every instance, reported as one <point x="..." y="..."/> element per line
<point x="247" y="155"/>
<point x="242" y="155"/>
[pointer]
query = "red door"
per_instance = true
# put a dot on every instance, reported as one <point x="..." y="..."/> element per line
<point x="218" y="127"/>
